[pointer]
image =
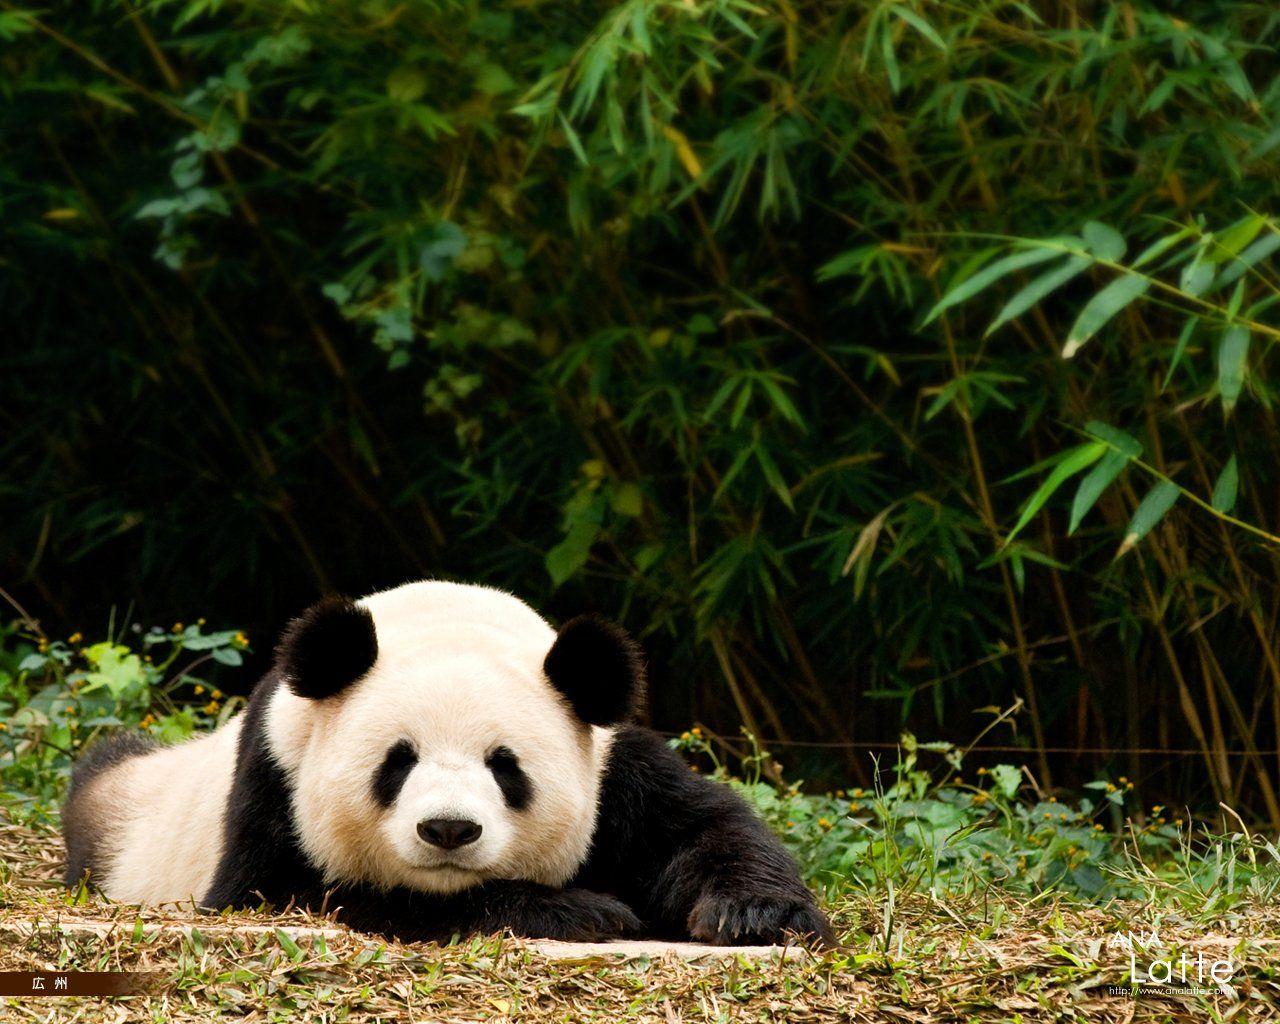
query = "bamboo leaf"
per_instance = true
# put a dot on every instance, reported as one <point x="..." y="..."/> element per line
<point x="1126" y="444"/>
<point x="1091" y="487"/>
<point x="970" y="287"/>
<point x="1073" y="462"/>
<point x="1039" y="288"/>
<point x="1101" y="308"/>
<point x="920" y="25"/>
<point x="1158" y="501"/>
<point x="1253" y="255"/>
<point x="1104" y="241"/>
<point x="1184" y="336"/>
<point x="1233" y="353"/>
<point x="1228" y="485"/>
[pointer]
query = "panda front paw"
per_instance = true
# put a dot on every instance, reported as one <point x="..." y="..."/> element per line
<point x="579" y="915"/>
<point x="756" y="920"/>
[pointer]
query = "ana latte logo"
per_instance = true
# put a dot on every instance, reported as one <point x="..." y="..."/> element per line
<point x="1156" y="969"/>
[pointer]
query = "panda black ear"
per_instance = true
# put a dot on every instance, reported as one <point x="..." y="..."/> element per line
<point x="327" y="648"/>
<point x="598" y="667"/>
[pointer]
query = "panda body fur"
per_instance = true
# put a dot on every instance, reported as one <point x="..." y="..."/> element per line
<point x="439" y="706"/>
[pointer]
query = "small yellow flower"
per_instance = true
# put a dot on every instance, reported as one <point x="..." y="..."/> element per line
<point x="74" y="638"/>
<point x="1157" y="808"/>
<point x="1124" y="778"/>
<point x="217" y="695"/>
<point x="854" y="808"/>
<point x="240" y="640"/>
<point x="697" y="731"/>
<point x="1098" y="828"/>
<point x="840" y="794"/>
<point x="982" y="771"/>
<point x="4" y="726"/>
<point x="1110" y="788"/>
<point x="857" y="791"/>
<point x="980" y="797"/>
<point x="684" y="736"/>
<point x="791" y="824"/>
<point x="199" y="622"/>
<point x="986" y="855"/>
<point x="177" y="628"/>
<point x="199" y="689"/>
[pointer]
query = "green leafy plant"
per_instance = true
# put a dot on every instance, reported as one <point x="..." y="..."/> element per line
<point x="56" y="696"/>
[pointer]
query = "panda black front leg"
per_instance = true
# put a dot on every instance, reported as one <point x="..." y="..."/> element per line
<point x="525" y="909"/>
<point x="690" y="856"/>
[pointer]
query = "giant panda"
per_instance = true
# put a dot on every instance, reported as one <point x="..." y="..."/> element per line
<point x="436" y="760"/>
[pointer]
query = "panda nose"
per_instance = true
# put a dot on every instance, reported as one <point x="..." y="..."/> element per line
<point x="449" y="833"/>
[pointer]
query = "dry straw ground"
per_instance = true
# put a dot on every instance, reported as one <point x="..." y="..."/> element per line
<point x="998" y="958"/>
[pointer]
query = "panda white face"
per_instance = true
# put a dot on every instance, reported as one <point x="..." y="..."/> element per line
<point x="452" y="760"/>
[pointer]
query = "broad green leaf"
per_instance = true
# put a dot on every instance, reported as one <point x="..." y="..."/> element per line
<point x="1197" y="277"/>
<point x="1091" y="487"/>
<point x="970" y="287"/>
<point x="1007" y="779"/>
<point x="1074" y="461"/>
<point x="1124" y="443"/>
<point x="1228" y="485"/>
<point x="1151" y="510"/>
<point x="1043" y="285"/>
<point x="1101" y="308"/>
<point x="1233" y="353"/>
<point x="116" y="668"/>
<point x="1104" y="241"/>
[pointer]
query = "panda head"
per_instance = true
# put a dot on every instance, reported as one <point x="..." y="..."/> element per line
<point x="440" y="735"/>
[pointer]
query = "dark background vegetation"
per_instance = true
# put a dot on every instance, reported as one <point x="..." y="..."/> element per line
<point x="622" y="307"/>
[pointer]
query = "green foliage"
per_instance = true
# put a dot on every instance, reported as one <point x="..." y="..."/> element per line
<point x="739" y="321"/>
<point x="56" y="696"/>
<point x="917" y="831"/>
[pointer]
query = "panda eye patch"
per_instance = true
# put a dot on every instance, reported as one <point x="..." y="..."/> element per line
<point x="395" y="768"/>
<point x="511" y="779"/>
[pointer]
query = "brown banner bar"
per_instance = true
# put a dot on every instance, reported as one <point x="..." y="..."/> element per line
<point x="77" y="983"/>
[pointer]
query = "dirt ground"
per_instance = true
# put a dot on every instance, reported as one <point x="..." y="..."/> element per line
<point x="995" y="957"/>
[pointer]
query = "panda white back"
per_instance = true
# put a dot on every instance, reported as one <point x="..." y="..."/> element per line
<point x="152" y="823"/>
